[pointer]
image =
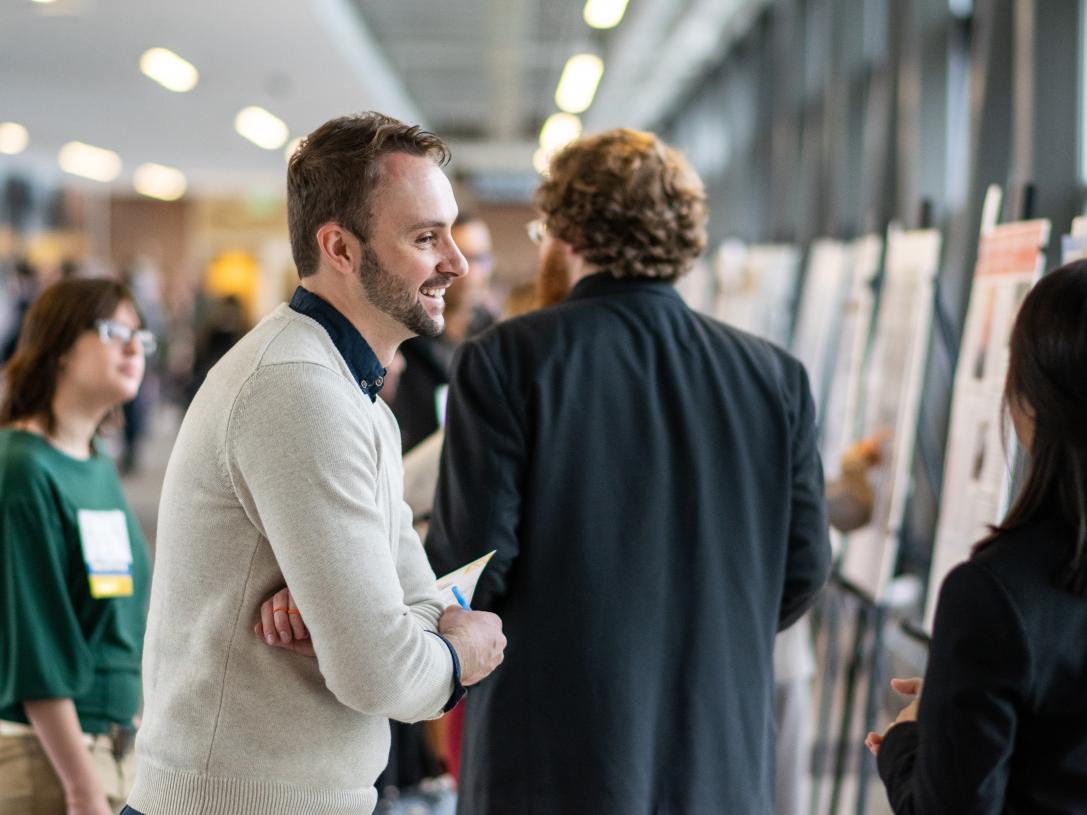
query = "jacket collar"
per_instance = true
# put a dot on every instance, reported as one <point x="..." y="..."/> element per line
<point x="604" y="284"/>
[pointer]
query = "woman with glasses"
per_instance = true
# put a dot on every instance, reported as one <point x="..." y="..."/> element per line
<point x="1001" y="723"/>
<point x="74" y="571"/>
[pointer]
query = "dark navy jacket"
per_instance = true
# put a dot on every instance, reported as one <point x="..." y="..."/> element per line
<point x="650" y="480"/>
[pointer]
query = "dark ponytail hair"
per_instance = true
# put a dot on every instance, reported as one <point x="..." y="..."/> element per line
<point x="1047" y="378"/>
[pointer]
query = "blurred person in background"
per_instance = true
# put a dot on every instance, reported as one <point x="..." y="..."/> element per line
<point x="650" y="481"/>
<point x="222" y="326"/>
<point x="473" y="238"/>
<point x="74" y="571"/>
<point x="421" y="466"/>
<point x="144" y="280"/>
<point x="419" y="405"/>
<point x="22" y="290"/>
<point x="1000" y="725"/>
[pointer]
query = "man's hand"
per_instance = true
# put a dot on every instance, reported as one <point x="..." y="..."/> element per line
<point x="478" y="640"/>
<point x="281" y="624"/>
<point x="907" y="687"/>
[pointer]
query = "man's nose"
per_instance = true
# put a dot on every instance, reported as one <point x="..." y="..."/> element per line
<point x="457" y="263"/>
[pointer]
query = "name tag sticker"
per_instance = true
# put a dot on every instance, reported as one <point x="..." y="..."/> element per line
<point x="107" y="552"/>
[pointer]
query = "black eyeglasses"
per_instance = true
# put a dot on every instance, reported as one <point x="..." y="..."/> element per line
<point x="116" y="331"/>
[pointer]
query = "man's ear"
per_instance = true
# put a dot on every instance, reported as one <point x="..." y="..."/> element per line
<point x="340" y="249"/>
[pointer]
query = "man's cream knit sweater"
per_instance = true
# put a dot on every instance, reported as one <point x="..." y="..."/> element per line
<point x="284" y="472"/>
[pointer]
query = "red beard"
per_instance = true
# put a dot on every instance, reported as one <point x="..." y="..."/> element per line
<point x="553" y="281"/>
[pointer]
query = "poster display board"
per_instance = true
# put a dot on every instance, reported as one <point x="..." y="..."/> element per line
<point x="1074" y="245"/>
<point x="841" y="419"/>
<point x="892" y="398"/>
<point x="756" y="287"/>
<point x="977" y="472"/>
<point x="814" y="341"/>
<point x="697" y="287"/>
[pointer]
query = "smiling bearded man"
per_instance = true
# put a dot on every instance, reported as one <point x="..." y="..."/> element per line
<point x="287" y="470"/>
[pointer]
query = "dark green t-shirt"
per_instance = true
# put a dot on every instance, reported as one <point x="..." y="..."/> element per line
<point x="56" y="639"/>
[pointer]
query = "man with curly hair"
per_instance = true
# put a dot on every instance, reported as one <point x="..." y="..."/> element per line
<point x="650" y="481"/>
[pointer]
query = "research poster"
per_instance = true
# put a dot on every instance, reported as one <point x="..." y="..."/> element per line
<point x="814" y="342"/>
<point x="841" y="419"/>
<point x="756" y="286"/>
<point x="977" y="471"/>
<point x="698" y="287"/>
<point x="891" y="399"/>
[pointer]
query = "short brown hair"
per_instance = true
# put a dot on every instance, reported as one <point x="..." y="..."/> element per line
<point x="627" y="203"/>
<point x="333" y="173"/>
<point x="52" y="325"/>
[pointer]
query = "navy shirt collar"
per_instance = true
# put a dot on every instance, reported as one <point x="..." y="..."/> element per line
<point x="356" y="352"/>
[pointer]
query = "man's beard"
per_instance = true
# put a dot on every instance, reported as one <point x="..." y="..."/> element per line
<point x="553" y="281"/>
<point x="394" y="297"/>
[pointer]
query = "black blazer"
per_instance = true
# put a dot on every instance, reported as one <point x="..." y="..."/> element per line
<point x="1002" y="726"/>
<point x="650" y="480"/>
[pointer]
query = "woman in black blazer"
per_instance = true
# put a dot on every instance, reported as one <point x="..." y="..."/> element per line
<point x="1001" y="726"/>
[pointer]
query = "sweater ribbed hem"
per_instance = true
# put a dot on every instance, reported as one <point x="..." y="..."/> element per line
<point x="161" y="791"/>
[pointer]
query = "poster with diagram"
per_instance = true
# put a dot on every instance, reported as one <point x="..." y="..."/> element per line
<point x="756" y="287"/>
<point x="977" y="471"/>
<point x="891" y="400"/>
<point x="814" y="341"/>
<point x="840" y="421"/>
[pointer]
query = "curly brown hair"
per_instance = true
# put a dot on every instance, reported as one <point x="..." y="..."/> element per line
<point x="332" y="176"/>
<point x="627" y="203"/>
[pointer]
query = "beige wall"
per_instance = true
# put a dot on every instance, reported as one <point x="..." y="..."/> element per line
<point x="515" y="254"/>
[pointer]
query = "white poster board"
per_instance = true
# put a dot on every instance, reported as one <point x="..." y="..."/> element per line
<point x="756" y="287"/>
<point x="697" y="286"/>
<point x="977" y="475"/>
<point x="814" y="341"/>
<point x="892" y="399"/>
<point x="841" y="419"/>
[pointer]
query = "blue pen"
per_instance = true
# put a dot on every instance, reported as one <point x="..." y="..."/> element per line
<point x="460" y="599"/>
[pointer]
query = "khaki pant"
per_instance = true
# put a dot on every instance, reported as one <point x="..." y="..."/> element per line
<point x="29" y="785"/>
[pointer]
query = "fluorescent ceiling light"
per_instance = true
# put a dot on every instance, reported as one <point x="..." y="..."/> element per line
<point x="559" y="129"/>
<point x="89" y="162"/>
<point x="604" y="13"/>
<point x="159" y="181"/>
<point x="541" y="160"/>
<point x="577" y="86"/>
<point x="169" y="70"/>
<point x="292" y="145"/>
<point x="13" y="138"/>
<point x="43" y="2"/>
<point x="261" y="127"/>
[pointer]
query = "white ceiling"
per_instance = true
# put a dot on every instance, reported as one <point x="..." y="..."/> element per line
<point x="479" y="72"/>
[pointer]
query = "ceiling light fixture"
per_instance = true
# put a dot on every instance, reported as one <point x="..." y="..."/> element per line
<point x="541" y="160"/>
<point x="169" y="70"/>
<point x="559" y="129"/>
<point x="604" y="13"/>
<point x="159" y="181"/>
<point x="261" y="127"/>
<point x="13" y="138"/>
<point x="88" y="161"/>
<point x="578" y="83"/>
